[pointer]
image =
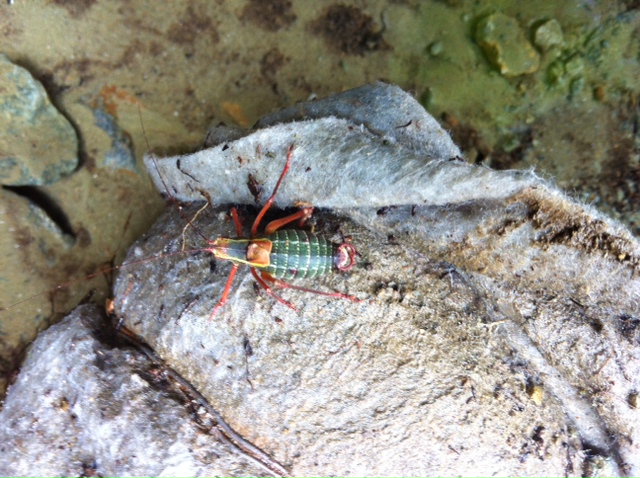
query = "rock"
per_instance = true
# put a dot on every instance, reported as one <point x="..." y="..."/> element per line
<point x="90" y="407"/>
<point x="497" y="328"/>
<point x="339" y="136"/>
<point x="506" y="248"/>
<point x="38" y="145"/>
<point x="387" y="385"/>
<point x="574" y="65"/>
<point x="548" y="35"/>
<point x="505" y="45"/>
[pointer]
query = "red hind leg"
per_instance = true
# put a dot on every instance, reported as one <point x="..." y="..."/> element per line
<point x="269" y="202"/>
<point x="266" y="287"/>
<point x="303" y="214"/>
<point x="338" y="295"/>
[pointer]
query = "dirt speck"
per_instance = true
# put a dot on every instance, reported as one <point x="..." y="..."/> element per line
<point x="22" y="237"/>
<point x="629" y="328"/>
<point x="155" y="49"/>
<point x="76" y="8"/>
<point x="132" y="53"/>
<point x="348" y="30"/>
<point x="255" y="188"/>
<point x="83" y="237"/>
<point x="192" y="25"/>
<point x="271" y="62"/>
<point x="270" y="16"/>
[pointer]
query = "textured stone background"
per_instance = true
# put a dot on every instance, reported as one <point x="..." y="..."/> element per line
<point x="559" y="95"/>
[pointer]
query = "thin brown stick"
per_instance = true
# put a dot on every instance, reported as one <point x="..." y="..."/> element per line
<point x="227" y="434"/>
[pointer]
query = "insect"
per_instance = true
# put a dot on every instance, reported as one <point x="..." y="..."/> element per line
<point x="281" y="253"/>
<point x="277" y="253"/>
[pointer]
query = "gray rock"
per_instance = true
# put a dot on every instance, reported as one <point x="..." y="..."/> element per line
<point x="478" y="334"/>
<point x="81" y="405"/>
<point x="548" y="35"/>
<point x="38" y="145"/>
<point x="501" y="264"/>
<point x="336" y="162"/>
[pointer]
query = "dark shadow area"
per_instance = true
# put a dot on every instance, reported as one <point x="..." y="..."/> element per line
<point x="44" y="202"/>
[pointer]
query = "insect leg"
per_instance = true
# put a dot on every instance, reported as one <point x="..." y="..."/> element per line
<point x="236" y="221"/>
<point x="268" y="277"/>
<point x="266" y="287"/>
<point x="269" y="202"/>
<point x="225" y="293"/>
<point x="303" y="214"/>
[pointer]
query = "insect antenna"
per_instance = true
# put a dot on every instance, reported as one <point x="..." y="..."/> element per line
<point x="101" y="272"/>
<point x="172" y="199"/>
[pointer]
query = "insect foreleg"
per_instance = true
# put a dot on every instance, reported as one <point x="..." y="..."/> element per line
<point x="236" y="221"/>
<point x="269" y="202"/>
<point x="225" y="293"/>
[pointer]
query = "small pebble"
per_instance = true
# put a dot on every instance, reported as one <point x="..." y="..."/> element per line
<point x="505" y="45"/>
<point x="548" y="35"/>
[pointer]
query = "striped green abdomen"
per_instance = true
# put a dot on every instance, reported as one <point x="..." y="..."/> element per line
<point x="297" y="253"/>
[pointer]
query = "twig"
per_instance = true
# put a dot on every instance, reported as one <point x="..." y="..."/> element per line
<point x="228" y="434"/>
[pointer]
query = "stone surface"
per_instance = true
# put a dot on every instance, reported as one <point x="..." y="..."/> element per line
<point x="38" y="145"/>
<point x="83" y="405"/>
<point x="336" y="143"/>
<point x="497" y="329"/>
